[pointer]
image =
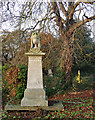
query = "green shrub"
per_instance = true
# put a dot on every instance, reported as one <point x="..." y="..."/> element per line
<point x="55" y="83"/>
<point x="22" y="79"/>
<point x="13" y="83"/>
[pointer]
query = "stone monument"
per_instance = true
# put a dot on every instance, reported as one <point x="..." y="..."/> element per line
<point x="34" y="95"/>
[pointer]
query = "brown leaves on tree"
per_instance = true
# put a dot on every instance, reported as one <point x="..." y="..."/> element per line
<point x="12" y="81"/>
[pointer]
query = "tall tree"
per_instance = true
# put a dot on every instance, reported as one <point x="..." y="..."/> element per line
<point x="67" y="28"/>
<point x="83" y="47"/>
<point x="64" y="17"/>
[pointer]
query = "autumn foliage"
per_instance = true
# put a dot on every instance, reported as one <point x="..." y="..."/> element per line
<point x="14" y="83"/>
<point x="12" y="77"/>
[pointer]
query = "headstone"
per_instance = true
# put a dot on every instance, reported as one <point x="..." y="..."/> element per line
<point x="50" y="73"/>
<point x="34" y="95"/>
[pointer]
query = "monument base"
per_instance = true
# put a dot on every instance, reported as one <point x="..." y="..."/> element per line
<point x="34" y="97"/>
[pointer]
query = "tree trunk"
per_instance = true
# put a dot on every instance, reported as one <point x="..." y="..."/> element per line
<point x="67" y="55"/>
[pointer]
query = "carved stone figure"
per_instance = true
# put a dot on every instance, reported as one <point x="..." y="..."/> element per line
<point x="35" y="40"/>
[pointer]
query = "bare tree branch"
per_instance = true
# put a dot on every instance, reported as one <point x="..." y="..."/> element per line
<point x="56" y="10"/>
<point x="73" y="9"/>
<point x="83" y="22"/>
<point x="62" y="8"/>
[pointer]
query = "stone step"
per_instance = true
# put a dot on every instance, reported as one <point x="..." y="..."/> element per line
<point x="29" y="108"/>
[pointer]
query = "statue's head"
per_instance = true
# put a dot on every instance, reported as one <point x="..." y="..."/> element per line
<point x="34" y="34"/>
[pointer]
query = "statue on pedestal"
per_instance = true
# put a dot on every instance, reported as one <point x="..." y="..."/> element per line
<point x="34" y="95"/>
<point x="35" y="42"/>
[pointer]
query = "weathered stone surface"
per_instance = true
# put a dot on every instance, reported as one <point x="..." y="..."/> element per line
<point x="21" y="108"/>
<point x="35" y="50"/>
<point x="34" y="102"/>
<point x="34" y="95"/>
<point x="35" y="76"/>
<point x="35" y="53"/>
<point x="35" y="40"/>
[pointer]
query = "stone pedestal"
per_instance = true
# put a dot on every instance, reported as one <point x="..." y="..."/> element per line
<point x="34" y="95"/>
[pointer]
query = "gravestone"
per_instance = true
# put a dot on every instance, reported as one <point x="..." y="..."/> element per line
<point x="34" y="95"/>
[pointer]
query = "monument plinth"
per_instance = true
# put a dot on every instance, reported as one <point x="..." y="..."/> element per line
<point x="34" y="95"/>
